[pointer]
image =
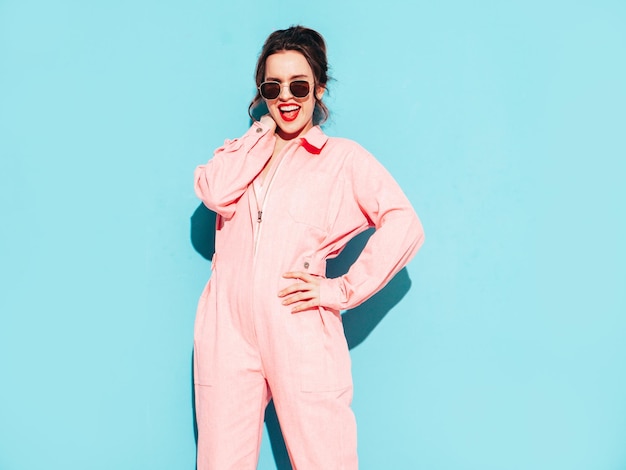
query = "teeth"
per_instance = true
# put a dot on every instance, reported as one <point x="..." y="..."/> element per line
<point x="287" y="109"/>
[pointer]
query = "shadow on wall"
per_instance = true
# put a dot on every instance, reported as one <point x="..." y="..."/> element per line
<point x="358" y="323"/>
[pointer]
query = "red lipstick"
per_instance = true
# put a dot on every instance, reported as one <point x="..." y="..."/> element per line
<point x="289" y="112"/>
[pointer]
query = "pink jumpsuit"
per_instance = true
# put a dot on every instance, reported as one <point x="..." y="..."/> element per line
<point x="248" y="347"/>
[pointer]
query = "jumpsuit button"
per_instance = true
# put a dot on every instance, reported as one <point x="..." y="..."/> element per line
<point x="306" y="265"/>
<point x="258" y="129"/>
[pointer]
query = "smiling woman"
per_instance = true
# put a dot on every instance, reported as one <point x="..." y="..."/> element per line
<point x="287" y="198"/>
<point x="289" y="74"/>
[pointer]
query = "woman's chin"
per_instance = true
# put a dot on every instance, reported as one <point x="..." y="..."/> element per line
<point x="289" y="131"/>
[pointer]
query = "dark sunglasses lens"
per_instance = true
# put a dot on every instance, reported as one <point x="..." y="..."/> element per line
<point x="299" y="88"/>
<point x="270" y="90"/>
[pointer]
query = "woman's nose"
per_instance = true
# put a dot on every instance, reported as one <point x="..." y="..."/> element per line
<point x="285" y="92"/>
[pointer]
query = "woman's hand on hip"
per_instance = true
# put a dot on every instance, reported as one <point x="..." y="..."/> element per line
<point x="301" y="295"/>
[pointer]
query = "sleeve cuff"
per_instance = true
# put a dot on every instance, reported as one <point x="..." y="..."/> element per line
<point x="257" y="129"/>
<point x="331" y="293"/>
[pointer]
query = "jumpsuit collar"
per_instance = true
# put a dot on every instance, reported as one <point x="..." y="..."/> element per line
<point x="314" y="140"/>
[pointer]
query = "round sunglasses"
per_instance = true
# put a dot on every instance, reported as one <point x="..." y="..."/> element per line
<point x="271" y="90"/>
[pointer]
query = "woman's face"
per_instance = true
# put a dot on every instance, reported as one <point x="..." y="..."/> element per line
<point x="293" y="116"/>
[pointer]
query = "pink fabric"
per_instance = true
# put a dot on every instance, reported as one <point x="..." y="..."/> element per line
<point x="249" y="346"/>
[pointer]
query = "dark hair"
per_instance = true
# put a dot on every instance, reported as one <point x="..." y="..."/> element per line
<point x="311" y="45"/>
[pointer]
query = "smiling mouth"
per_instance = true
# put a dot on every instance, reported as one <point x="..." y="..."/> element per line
<point x="289" y="112"/>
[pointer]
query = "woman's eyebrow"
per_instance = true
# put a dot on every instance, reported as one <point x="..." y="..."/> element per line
<point x="293" y="77"/>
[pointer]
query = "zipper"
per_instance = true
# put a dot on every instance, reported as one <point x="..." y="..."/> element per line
<point x="272" y="177"/>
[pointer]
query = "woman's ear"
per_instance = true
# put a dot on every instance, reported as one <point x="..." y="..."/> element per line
<point x="319" y="91"/>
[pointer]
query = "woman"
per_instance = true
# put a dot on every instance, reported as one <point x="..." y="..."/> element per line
<point x="288" y="197"/>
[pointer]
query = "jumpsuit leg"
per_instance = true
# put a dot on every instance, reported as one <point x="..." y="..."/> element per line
<point x="309" y="375"/>
<point x="230" y="419"/>
<point x="319" y="429"/>
<point x="231" y="391"/>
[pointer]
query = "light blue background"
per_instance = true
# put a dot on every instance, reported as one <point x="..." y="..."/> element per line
<point x="503" y="121"/>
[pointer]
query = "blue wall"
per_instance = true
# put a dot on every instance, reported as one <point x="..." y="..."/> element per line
<point x="504" y="123"/>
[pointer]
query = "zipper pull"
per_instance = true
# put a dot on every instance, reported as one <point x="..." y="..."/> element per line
<point x="258" y="219"/>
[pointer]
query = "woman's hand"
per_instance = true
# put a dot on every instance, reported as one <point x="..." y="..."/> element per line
<point x="267" y="120"/>
<point x="304" y="295"/>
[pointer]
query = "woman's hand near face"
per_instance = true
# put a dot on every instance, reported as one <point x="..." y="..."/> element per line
<point x="302" y="295"/>
<point x="267" y="120"/>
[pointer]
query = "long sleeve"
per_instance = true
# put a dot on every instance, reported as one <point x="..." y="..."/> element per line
<point x="223" y="180"/>
<point x="397" y="238"/>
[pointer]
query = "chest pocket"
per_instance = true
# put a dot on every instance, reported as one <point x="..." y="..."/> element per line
<point x="315" y="199"/>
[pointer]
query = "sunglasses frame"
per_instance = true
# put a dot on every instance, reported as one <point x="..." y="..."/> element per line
<point x="282" y="85"/>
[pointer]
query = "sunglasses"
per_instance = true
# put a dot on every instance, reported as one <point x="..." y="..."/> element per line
<point x="271" y="90"/>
